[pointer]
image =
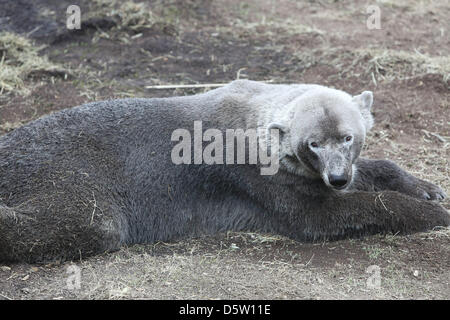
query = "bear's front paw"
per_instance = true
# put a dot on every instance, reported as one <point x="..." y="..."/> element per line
<point x="428" y="191"/>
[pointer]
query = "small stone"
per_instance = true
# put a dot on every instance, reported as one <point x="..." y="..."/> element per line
<point x="234" y="247"/>
<point x="25" y="290"/>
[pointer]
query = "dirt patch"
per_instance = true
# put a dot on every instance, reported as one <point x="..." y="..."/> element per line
<point x="247" y="266"/>
<point x="118" y="53"/>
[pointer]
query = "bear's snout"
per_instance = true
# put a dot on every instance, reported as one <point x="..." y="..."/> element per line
<point x="338" y="181"/>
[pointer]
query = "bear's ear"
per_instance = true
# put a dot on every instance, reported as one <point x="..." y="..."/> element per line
<point x="364" y="100"/>
<point x="277" y="125"/>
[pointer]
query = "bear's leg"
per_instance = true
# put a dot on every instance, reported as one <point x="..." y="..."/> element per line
<point x="32" y="237"/>
<point x="378" y="175"/>
<point x="359" y="213"/>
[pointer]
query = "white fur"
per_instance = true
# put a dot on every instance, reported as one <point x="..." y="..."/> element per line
<point x="276" y="106"/>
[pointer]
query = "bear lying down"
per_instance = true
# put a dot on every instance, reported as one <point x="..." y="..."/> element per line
<point x="245" y="157"/>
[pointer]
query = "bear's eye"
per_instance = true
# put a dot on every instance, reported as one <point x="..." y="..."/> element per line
<point x="348" y="138"/>
<point x="314" y="144"/>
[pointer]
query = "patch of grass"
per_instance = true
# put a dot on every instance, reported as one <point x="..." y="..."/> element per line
<point x="374" y="251"/>
<point x="272" y="28"/>
<point x="395" y="64"/>
<point x="265" y="238"/>
<point x="416" y="7"/>
<point x="132" y="15"/>
<point x="9" y="126"/>
<point x="19" y="59"/>
<point x="378" y="65"/>
<point x="131" y="19"/>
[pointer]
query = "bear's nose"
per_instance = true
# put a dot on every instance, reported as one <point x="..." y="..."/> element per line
<point x="337" y="180"/>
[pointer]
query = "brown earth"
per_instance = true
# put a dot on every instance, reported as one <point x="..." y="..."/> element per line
<point x="405" y="63"/>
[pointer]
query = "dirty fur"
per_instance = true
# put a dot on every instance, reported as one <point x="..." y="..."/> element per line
<point x="93" y="178"/>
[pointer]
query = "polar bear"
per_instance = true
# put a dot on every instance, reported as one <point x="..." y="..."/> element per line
<point x="93" y="178"/>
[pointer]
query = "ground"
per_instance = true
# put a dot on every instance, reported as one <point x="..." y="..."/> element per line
<point x="125" y="46"/>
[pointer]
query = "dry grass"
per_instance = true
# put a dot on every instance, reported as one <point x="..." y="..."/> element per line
<point x="20" y="58"/>
<point x="379" y="65"/>
<point x="131" y="20"/>
<point x="390" y="65"/>
<point x="132" y="15"/>
<point x="416" y="7"/>
<point x="9" y="126"/>
<point x="275" y="28"/>
<point x="195" y="270"/>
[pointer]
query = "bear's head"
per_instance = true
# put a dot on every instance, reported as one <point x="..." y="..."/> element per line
<point x="322" y="134"/>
